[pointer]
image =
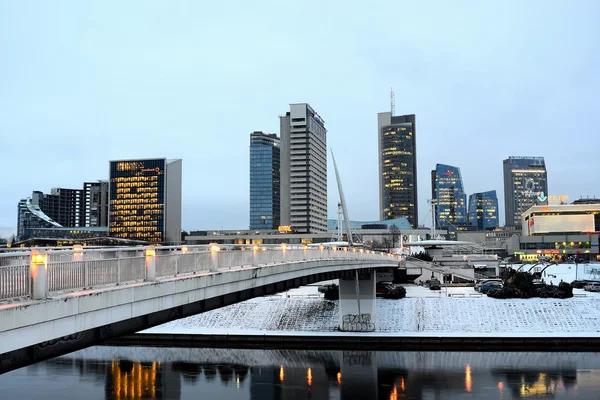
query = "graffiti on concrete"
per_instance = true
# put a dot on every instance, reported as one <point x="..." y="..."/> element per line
<point x="357" y="323"/>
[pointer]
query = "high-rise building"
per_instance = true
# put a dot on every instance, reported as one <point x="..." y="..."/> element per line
<point x="525" y="185"/>
<point x="145" y="200"/>
<point x="397" y="167"/>
<point x="264" y="181"/>
<point x="303" y="170"/>
<point x="483" y="210"/>
<point x="95" y="196"/>
<point x="64" y="206"/>
<point x="449" y="196"/>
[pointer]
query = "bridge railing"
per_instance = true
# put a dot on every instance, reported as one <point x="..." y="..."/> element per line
<point x="83" y="268"/>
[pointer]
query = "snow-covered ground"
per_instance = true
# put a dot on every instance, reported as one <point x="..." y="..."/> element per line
<point x="423" y="313"/>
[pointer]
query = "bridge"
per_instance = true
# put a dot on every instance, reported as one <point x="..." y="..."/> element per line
<point x="54" y="301"/>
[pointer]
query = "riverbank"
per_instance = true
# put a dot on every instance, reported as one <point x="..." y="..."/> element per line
<point x="360" y="341"/>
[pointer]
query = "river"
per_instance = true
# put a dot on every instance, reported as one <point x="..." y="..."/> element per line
<point x="105" y="372"/>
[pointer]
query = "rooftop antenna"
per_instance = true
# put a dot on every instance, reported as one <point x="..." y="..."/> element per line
<point x="342" y="201"/>
<point x="392" y="102"/>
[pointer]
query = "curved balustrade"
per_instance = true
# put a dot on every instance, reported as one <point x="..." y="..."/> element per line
<point x="36" y="273"/>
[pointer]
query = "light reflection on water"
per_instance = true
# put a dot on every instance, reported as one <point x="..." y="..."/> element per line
<point x="176" y="373"/>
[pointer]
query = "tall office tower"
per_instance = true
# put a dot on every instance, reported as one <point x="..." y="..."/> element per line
<point x="65" y="206"/>
<point x="303" y="170"/>
<point x="525" y="184"/>
<point x="449" y="195"/>
<point x="95" y="196"/>
<point x="264" y="181"/>
<point x="483" y="210"/>
<point x="145" y="200"/>
<point x="397" y="167"/>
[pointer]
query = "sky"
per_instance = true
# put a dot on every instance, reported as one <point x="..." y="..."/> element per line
<point x="82" y="83"/>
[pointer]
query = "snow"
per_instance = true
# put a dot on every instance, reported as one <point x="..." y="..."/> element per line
<point x="423" y="313"/>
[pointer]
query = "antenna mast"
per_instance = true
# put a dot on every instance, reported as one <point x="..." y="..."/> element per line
<point x="392" y="102"/>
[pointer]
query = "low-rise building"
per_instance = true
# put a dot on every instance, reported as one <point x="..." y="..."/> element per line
<point x="560" y="232"/>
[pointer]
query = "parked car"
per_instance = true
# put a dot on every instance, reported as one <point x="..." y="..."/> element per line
<point x="577" y="284"/>
<point x="490" y="285"/>
<point x="478" y="285"/>
<point x="434" y="284"/>
<point x="592" y="287"/>
<point x="381" y="287"/>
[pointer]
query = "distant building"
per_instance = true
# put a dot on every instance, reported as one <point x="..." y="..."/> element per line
<point x="449" y="196"/>
<point x="483" y="210"/>
<point x="95" y="197"/>
<point x="31" y="215"/>
<point x="64" y="206"/>
<point x="397" y="167"/>
<point x="303" y="170"/>
<point x="265" y="185"/>
<point x="145" y="200"/>
<point x="525" y="185"/>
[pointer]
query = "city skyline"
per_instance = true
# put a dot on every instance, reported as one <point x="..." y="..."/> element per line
<point x="127" y="88"/>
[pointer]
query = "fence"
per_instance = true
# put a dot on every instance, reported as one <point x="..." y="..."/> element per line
<point x="37" y="274"/>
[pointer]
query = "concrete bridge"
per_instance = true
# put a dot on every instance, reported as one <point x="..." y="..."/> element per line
<point x="54" y="301"/>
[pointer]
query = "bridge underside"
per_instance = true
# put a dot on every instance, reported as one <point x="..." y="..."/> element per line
<point x="49" y="349"/>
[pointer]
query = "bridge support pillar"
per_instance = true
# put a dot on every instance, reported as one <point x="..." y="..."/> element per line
<point x="357" y="302"/>
<point x="38" y="270"/>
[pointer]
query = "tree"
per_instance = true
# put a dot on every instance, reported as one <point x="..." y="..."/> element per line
<point x="395" y="234"/>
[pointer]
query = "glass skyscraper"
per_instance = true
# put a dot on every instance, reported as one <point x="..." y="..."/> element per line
<point x="449" y="195"/>
<point x="525" y="185"/>
<point x="397" y="167"/>
<point x="483" y="210"/>
<point x="264" y="181"/>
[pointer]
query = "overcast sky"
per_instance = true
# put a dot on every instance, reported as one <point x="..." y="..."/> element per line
<point x="82" y="83"/>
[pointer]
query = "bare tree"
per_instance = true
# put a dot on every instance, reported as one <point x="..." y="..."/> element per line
<point x="395" y="235"/>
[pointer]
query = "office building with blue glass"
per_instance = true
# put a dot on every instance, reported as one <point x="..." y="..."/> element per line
<point x="449" y="195"/>
<point x="483" y="210"/>
<point x="265" y="186"/>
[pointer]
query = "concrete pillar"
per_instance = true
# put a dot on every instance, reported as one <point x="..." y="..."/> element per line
<point x="150" y="264"/>
<point x="38" y="269"/>
<point x="255" y="256"/>
<point x="214" y="257"/>
<point x="357" y="303"/>
<point x="358" y="375"/>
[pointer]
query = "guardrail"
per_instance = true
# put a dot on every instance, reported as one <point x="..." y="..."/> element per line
<point x="36" y="273"/>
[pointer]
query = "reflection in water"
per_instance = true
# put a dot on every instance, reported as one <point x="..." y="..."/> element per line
<point x="272" y="375"/>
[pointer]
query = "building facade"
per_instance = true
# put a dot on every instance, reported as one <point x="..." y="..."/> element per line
<point x="397" y="167"/>
<point x="145" y="200"/>
<point x="448" y="194"/>
<point x="303" y="170"/>
<point x="30" y="215"/>
<point x="483" y="210"/>
<point x="64" y="206"/>
<point x="559" y="231"/>
<point x="265" y="178"/>
<point x="95" y="197"/>
<point x="525" y="185"/>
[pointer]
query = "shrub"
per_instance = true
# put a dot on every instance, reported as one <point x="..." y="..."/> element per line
<point x="332" y="292"/>
<point x="520" y="285"/>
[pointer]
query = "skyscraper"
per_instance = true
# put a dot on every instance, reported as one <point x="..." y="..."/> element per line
<point x="303" y="169"/>
<point x="525" y="184"/>
<point x="95" y="196"/>
<point x="264" y="181"/>
<point x="449" y="195"/>
<point x="145" y="200"/>
<point x="397" y="167"/>
<point x="483" y="210"/>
